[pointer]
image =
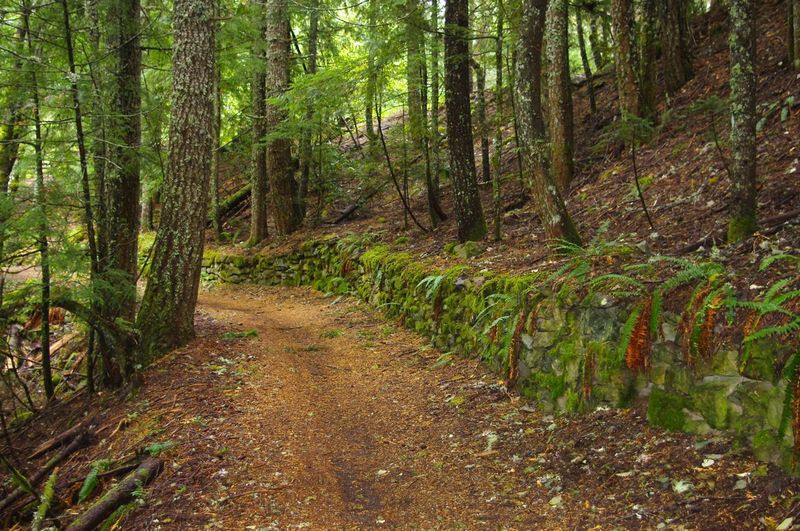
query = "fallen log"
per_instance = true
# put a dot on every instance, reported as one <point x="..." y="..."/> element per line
<point x="118" y="496"/>
<point x="768" y="226"/>
<point x="62" y="437"/>
<point x="350" y="210"/>
<point x="77" y="443"/>
<point x="230" y="204"/>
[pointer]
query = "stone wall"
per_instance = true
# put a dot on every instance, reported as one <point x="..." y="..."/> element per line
<point x="566" y="353"/>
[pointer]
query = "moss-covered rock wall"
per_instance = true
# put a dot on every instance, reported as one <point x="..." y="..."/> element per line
<point x="564" y="354"/>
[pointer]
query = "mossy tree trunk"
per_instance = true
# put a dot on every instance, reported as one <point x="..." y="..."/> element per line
<point x="11" y="131"/>
<point x="587" y="69"/>
<point x="559" y="95"/>
<point x="258" y="158"/>
<point x="626" y="59"/>
<point x="122" y="186"/>
<point x="286" y="211"/>
<point x="649" y="64"/>
<point x="677" y="56"/>
<point x="166" y="316"/>
<point x="596" y="42"/>
<point x="468" y="210"/>
<point x="528" y="81"/>
<point x="742" y="208"/>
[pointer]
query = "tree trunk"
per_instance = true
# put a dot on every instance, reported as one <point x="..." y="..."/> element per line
<point x="626" y="57"/>
<point x="41" y="205"/>
<point x="559" y="95"/>
<point x="545" y="194"/>
<point x="497" y="213"/>
<point x="10" y="138"/>
<point x="216" y="220"/>
<point x="587" y="69"/>
<point x="435" y="137"/>
<point x="166" y="318"/>
<point x="649" y="66"/>
<point x="85" y="181"/>
<point x="742" y="210"/>
<point x="598" y="47"/>
<point x="468" y="210"/>
<point x="372" y="72"/>
<point x="122" y="184"/>
<point x="306" y="152"/>
<point x="480" y="117"/>
<point x="286" y="211"/>
<point x="258" y="198"/>
<point x="795" y="33"/>
<point x="677" y="59"/>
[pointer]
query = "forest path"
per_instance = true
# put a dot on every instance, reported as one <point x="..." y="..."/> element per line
<point x="329" y="416"/>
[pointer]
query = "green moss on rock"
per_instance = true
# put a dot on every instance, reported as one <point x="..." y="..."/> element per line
<point x="666" y="409"/>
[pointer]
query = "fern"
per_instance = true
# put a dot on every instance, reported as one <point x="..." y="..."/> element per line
<point x="626" y="333"/>
<point x="656" y="306"/>
<point x="431" y="285"/>
<point x="705" y="320"/>
<point x="788" y="328"/>
<point x="767" y="262"/>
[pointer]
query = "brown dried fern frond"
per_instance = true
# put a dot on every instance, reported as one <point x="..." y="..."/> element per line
<point x="637" y="355"/>
<point x="707" y="330"/>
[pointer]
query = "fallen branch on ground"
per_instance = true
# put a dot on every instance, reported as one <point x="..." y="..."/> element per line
<point x="119" y="495"/>
<point x="769" y="226"/>
<point x="61" y="438"/>
<point x="79" y="442"/>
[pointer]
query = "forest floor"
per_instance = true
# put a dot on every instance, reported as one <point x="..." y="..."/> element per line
<point x="296" y="410"/>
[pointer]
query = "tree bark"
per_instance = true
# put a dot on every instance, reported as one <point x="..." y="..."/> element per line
<point x="480" y="117"/>
<point x="497" y="213"/>
<point x="85" y="180"/>
<point x="41" y="205"/>
<point x="122" y="183"/>
<point x="547" y="199"/>
<point x="559" y="95"/>
<point x="372" y="71"/>
<point x="468" y="210"/>
<point x="286" y="211"/>
<point x="216" y="220"/>
<point x="649" y="64"/>
<point x="743" y="217"/>
<point x="587" y="69"/>
<point x="306" y="152"/>
<point x="627" y="62"/>
<point x="598" y="47"/>
<point x="436" y="43"/>
<point x="795" y="33"/>
<point x="166" y="317"/>
<point x="259" y="179"/>
<point x="120" y="494"/>
<point x="677" y="56"/>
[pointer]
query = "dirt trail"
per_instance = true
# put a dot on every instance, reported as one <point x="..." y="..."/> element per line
<point x="332" y="417"/>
